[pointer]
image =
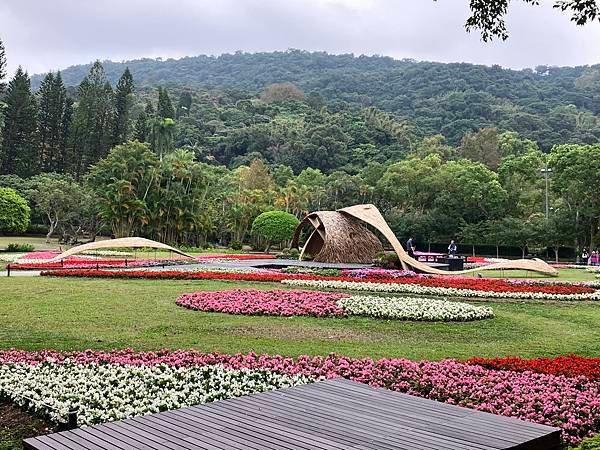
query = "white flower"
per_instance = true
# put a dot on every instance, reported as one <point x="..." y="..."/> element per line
<point x="106" y="392"/>
<point x="402" y="308"/>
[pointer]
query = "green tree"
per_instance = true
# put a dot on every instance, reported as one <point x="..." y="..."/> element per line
<point x="482" y="147"/>
<point x="488" y="17"/>
<point x="523" y="233"/>
<point x="122" y="182"/>
<point x="281" y="92"/>
<point x="123" y="103"/>
<point x="57" y="198"/>
<point x="161" y="135"/>
<point x="54" y="122"/>
<point x="19" y="136"/>
<point x="2" y="66"/>
<point x="576" y="178"/>
<point x="93" y="120"/>
<point x="143" y="122"/>
<point x="165" y="109"/>
<point x="184" y="104"/>
<point x="14" y="212"/>
<point x="275" y="226"/>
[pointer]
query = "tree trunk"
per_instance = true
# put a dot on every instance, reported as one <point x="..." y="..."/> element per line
<point x="51" y="230"/>
<point x="556" y="254"/>
<point x="497" y="251"/>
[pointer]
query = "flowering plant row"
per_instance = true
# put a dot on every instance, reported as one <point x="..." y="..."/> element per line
<point x="107" y="392"/>
<point x="322" y="304"/>
<point x="260" y="276"/>
<point x="85" y="263"/>
<point x="236" y="256"/>
<point x="569" y="403"/>
<point x="378" y="274"/>
<point x="567" y="365"/>
<point x="446" y="286"/>
<point x="407" y="308"/>
<point x="269" y="303"/>
<point x="418" y="289"/>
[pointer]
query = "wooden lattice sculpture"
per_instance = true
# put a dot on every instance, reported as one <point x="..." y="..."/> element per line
<point x="337" y="238"/>
<point x="332" y="241"/>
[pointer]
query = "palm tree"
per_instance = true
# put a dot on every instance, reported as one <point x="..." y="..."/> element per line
<point x="161" y="135"/>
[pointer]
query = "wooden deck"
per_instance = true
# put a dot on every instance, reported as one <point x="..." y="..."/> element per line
<point x="334" y="414"/>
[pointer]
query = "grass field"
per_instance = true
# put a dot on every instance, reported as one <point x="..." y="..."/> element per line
<point x="75" y="314"/>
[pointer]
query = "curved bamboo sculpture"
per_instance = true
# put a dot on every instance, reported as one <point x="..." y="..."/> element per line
<point x="133" y="242"/>
<point x="340" y="237"/>
<point x="370" y="214"/>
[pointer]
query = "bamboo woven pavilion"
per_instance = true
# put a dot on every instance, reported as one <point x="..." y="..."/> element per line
<point x="342" y="237"/>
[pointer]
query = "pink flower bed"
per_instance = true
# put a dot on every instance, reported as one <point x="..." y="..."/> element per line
<point x="573" y="404"/>
<point x="265" y="303"/>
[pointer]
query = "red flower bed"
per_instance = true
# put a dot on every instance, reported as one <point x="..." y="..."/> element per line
<point x="477" y="284"/>
<point x="265" y="303"/>
<point x="177" y="275"/>
<point x="568" y="365"/>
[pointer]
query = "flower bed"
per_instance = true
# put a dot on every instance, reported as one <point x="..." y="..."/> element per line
<point x="525" y="293"/>
<point x="570" y="403"/>
<point x="107" y="392"/>
<point x="321" y="304"/>
<point x="268" y="303"/>
<point x="425" y="309"/>
<point x="235" y="256"/>
<point x="178" y="275"/>
<point x="378" y="274"/>
<point x="87" y="263"/>
<point x="567" y="365"/>
<point x="421" y="285"/>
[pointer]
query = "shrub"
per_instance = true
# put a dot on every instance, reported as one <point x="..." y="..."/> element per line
<point x="275" y="226"/>
<point x="14" y="212"/>
<point x="20" y="248"/>
<point x="289" y="253"/>
<point x="236" y="245"/>
<point x="592" y="443"/>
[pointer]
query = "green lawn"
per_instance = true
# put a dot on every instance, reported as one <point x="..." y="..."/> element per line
<point x="75" y="314"/>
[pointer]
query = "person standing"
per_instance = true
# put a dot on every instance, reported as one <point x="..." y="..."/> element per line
<point x="410" y="247"/>
<point x="452" y="248"/>
<point x="585" y="256"/>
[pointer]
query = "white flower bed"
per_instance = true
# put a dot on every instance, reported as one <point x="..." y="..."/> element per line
<point x="108" y="392"/>
<point x="107" y="253"/>
<point x="10" y="257"/>
<point x="437" y="291"/>
<point x="413" y="309"/>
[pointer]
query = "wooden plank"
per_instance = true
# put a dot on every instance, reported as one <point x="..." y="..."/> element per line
<point x="335" y="423"/>
<point x="327" y="415"/>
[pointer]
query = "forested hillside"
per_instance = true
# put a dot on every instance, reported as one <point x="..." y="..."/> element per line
<point x="550" y="105"/>
<point x="433" y="145"/>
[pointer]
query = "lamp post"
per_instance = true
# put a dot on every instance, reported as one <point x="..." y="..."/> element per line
<point x="546" y="171"/>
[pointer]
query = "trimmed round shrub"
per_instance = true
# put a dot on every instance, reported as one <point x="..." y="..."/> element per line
<point x="275" y="226"/>
<point x="14" y="212"/>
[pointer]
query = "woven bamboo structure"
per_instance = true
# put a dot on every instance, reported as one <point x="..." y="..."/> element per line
<point x="337" y="238"/>
<point x="130" y="242"/>
<point x="341" y="237"/>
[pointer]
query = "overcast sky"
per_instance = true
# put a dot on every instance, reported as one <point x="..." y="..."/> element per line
<point x="44" y="35"/>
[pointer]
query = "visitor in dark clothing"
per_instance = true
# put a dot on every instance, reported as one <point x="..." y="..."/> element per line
<point x="410" y="247"/>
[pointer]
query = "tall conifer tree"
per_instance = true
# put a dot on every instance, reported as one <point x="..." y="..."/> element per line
<point x="142" y="124"/>
<point x="19" y="136"/>
<point x="54" y="116"/>
<point x="93" y="120"/>
<point x="165" y="108"/>
<point x="123" y="102"/>
<point x="2" y="66"/>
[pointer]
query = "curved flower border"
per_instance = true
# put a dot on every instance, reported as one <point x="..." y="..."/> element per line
<point x="322" y="304"/>
<point x="573" y="404"/>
